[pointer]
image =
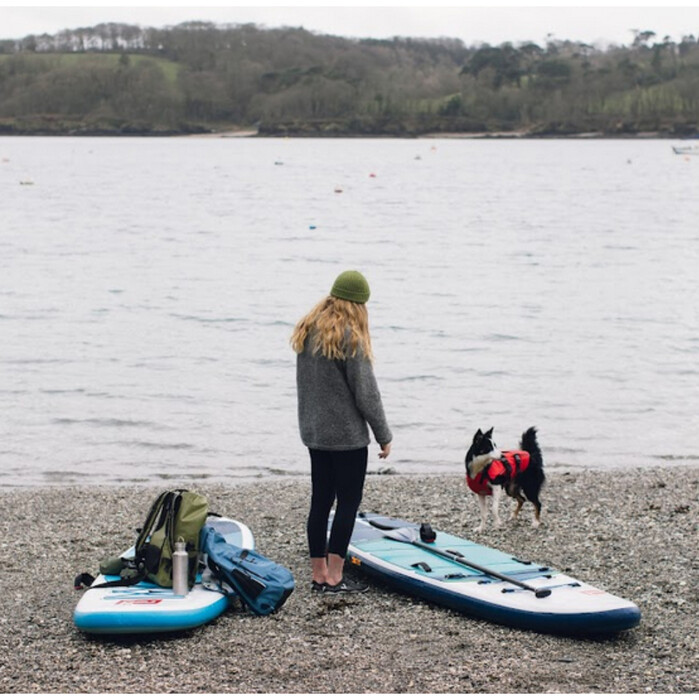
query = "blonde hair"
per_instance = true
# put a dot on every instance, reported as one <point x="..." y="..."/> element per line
<point x="330" y="320"/>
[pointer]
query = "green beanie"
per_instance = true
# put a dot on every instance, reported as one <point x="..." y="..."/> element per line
<point x="351" y="285"/>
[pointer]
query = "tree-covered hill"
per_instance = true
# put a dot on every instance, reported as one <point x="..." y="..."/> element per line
<point x="199" y="77"/>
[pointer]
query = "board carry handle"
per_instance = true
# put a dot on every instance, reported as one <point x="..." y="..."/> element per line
<point x="406" y="535"/>
<point x="422" y="565"/>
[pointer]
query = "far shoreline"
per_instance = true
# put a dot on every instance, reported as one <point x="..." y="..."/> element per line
<point x="521" y="135"/>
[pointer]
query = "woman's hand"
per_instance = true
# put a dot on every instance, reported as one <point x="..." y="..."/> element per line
<point x="385" y="450"/>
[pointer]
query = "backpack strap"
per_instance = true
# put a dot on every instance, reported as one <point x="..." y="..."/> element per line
<point x="130" y="581"/>
<point x="174" y="507"/>
<point x="156" y="511"/>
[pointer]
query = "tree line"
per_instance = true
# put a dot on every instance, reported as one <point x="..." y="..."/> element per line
<point x="199" y="76"/>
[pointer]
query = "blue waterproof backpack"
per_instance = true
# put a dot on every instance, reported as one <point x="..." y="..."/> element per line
<point x="263" y="585"/>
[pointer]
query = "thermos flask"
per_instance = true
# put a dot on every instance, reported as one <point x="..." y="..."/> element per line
<point x="180" y="565"/>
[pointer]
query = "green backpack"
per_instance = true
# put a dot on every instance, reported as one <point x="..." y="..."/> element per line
<point x="174" y="516"/>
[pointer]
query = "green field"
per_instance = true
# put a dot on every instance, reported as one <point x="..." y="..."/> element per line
<point x="169" y="68"/>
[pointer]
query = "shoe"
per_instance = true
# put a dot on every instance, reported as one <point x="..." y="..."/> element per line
<point x="318" y="587"/>
<point x="346" y="586"/>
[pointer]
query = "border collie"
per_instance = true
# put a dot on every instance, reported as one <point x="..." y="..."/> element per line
<point x="520" y="473"/>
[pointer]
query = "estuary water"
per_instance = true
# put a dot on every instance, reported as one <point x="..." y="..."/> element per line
<point x="148" y="289"/>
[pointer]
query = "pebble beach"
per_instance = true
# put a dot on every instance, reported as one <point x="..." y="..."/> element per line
<point x="633" y="533"/>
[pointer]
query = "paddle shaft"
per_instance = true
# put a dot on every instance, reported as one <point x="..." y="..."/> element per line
<point x="540" y="592"/>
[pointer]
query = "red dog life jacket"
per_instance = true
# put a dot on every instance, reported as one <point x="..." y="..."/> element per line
<point x="499" y="471"/>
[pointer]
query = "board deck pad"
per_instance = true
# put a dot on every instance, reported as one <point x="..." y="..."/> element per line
<point x="147" y="608"/>
<point x="572" y="607"/>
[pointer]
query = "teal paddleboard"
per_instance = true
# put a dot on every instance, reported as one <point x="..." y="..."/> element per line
<point x="484" y="582"/>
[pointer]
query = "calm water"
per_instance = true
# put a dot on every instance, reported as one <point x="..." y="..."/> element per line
<point x="148" y="288"/>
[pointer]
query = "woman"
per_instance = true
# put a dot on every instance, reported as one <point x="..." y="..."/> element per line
<point x="337" y="398"/>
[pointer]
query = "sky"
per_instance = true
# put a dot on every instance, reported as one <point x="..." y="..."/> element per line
<point x="593" y="23"/>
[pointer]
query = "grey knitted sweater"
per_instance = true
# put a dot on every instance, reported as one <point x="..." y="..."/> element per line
<point x="336" y="401"/>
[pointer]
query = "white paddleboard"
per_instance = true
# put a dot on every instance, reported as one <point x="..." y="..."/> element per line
<point x="148" y="608"/>
<point x="533" y="597"/>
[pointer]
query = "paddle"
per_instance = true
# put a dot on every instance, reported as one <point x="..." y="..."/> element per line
<point x="408" y="535"/>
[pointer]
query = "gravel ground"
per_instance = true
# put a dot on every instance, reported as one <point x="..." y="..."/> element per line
<point x="632" y="533"/>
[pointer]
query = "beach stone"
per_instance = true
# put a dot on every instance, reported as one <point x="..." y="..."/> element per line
<point x="378" y="642"/>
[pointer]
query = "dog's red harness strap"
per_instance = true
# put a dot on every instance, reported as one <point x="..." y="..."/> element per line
<point x="499" y="471"/>
<point x="479" y="484"/>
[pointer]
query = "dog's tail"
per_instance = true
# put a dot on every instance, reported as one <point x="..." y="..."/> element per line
<point x="530" y="444"/>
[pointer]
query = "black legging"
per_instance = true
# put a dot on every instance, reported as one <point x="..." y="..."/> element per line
<point x="334" y="474"/>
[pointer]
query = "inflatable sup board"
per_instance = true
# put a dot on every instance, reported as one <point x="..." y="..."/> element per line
<point x="483" y="582"/>
<point x="148" y="608"/>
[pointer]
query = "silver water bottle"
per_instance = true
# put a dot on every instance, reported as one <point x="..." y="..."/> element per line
<point x="180" y="565"/>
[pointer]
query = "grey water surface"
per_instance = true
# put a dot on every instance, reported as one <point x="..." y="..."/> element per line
<point x="148" y="289"/>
